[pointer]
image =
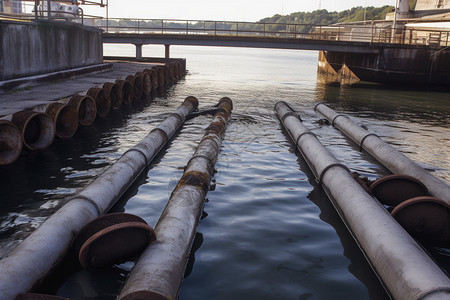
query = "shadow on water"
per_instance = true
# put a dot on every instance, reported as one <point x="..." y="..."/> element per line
<point x="359" y="266"/>
<point x="388" y="102"/>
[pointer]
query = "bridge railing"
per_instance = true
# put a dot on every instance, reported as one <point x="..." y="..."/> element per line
<point x="373" y="32"/>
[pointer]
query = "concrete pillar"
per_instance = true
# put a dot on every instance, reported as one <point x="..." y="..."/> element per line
<point x="167" y="51"/>
<point x="138" y="51"/>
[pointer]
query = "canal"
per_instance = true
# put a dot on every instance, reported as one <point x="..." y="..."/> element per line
<point x="268" y="232"/>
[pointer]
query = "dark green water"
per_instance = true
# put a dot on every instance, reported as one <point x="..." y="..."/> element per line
<point x="270" y="231"/>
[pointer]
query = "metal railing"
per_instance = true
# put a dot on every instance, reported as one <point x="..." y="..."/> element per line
<point x="46" y="10"/>
<point x="374" y="32"/>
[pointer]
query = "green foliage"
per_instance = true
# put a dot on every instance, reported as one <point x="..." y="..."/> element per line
<point x="324" y="17"/>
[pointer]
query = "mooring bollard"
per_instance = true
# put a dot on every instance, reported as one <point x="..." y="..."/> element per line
<point x="159" y="270"/>
<point x="34" y="258"/>
<point x="405" y="269"/>
<point x="392" y="159"/>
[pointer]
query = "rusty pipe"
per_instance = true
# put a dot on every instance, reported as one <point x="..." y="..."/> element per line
<point x="85" y="107"/>
<point x="65" y="118"/>
<point x="34" y="258"/>
<point x="11" y="142"/>
<point x="405" y="269"/>
<point x="392" y="159"/>
<point x="137" y="84"/>
<point x="161" y="76"/>
<point x="146" y="83"/>
<point x="37" y="128"/>
<point x="114" y="93"/>
<point x="159" y="270"/>
<point x="102" y="101"/>
<point x="126" y="91"/>
<point x="153" y="73"/>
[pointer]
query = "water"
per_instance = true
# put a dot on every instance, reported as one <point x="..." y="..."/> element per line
<point x="269" y="231"/>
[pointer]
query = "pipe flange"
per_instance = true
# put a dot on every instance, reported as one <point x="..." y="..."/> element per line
<point x="315" y="106"/>
<point x="81" y="197"/>
<point x="138" y="151"/>
<point x="362" y="141"/>
<point x="319" y="181"/>
<point x="178" y="116"/>
<point x="304" y="133"/>
<point x="334" y="119"/>
<point x="291" y="113"/>
<point x="200" y="156"/>
<point x="163" y="132"/>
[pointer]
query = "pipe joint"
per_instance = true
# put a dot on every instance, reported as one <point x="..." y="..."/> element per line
<point x="339" y="165"/>
<point x="361" y="144"/>
<point x="335" y="117"/>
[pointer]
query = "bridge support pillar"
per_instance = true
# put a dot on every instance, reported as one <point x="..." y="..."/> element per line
<point x="167" y="53"/>
<point x="138" y="51"/>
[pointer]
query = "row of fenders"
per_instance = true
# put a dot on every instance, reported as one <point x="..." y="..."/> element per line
<point x="36" y="127"/>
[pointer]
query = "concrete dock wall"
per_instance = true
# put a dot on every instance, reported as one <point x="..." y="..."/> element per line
<point x="392" y="66"/>
<point x="29" y="48"/>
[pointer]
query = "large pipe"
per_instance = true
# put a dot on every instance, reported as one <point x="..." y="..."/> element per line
<point x="146" y="82"/>
<point x="126" y="90"/>
<point x="114" y="93"/>
<point x="86" y="108"/>
<point x="395" y="161"/>
<point x="102" y="101"/>
<point x="65" y="118"/>
<point x="153" y="73"/>
<point x="405" y="269"/>
<point x="159" y="270"/>
<point x="37" y="128"/>
<point x="137" y="84"/>
<point x="35" y="257"/>
<point x="11" y="143"/>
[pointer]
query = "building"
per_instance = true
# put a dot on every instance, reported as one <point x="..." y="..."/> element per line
<point x="11" y="6"/>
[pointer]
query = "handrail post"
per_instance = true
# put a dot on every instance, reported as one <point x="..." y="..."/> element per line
<point x="237" y="28"/>
<point x="264" y="30"/>
<point x="371" y="34"/>
<point x="187" y="27"/>
<point x="215" y="27"/>
<point x="48" y="10"/>
<point x="162" y="26"/>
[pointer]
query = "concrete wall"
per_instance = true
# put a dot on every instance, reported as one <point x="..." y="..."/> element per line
<point x="394" y="66"/>
<point x="432" y="4"/>
<point x="28" y="49"/>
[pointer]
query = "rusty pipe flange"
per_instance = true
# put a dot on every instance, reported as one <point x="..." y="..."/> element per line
<point x="101" y="99"/>
<point x="11" y="142"/>
<point x="425" y="218"/>
<point x="32" y="296"/>
<point x="393" y="189"/>
<point x="37" y="128"/>
<point x="192" y="100"/>
<point x="137" y="84"/>
<point x="65" y="118"/>
<point x="114" y="93"/>
<point x="101" y="223"/>
<point x="127" y="90"/>
<point x="86" y="108"/>
<point x="115" y="244"/>
<point x="146" y="82"/>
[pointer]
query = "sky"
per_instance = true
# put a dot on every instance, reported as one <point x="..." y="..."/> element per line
<point x="220" y="10"/>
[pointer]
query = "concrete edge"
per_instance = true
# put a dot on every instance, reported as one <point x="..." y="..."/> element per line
<point x="53" y="76"/>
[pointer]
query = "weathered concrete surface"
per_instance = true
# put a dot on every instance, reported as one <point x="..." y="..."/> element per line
<point x="395" y="66"/>
<point x="17" y="100"/>
<point x="29" y="48"/>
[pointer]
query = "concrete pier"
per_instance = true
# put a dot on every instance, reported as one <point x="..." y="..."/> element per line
<point x="404" y="66"/>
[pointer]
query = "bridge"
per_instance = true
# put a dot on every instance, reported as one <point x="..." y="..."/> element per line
<point x="364" y="37"/>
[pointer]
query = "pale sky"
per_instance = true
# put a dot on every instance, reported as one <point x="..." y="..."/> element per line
<point x="229" y="10"/>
